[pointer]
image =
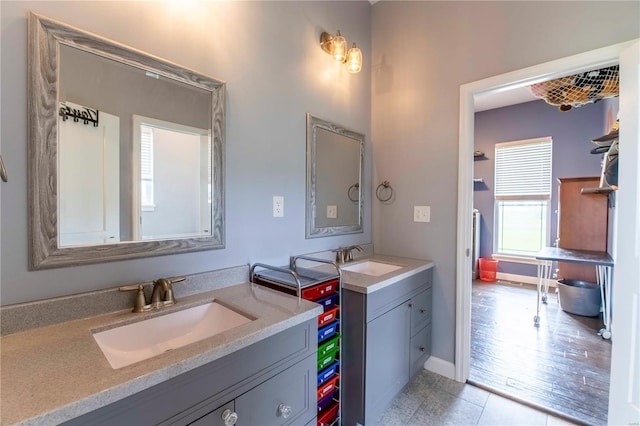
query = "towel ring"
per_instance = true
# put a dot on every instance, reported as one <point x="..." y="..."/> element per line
<point x="354" y="186"/>
<point x="384" y="186"/>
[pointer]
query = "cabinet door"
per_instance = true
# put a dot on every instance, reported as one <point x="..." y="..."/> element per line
<point x="295" y="388"/>
<point x="214" y="418"/>
<point x="387" y="370"/>
<point x="420" y="310"/>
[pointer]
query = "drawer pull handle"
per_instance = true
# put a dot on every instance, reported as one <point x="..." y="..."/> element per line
<point x="411" y="305"/>
<point x="229" y="418"/>
<point x="422" y="348"/>
<point x="284" y="410"/>
<point x="422" y="311"/>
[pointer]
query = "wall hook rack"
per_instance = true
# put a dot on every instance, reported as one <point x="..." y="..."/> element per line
<point x="86" y="115"/>
<point x="384" y="191"/>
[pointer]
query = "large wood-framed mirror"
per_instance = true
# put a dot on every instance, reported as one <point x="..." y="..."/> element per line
<point x="125" y="151"/>
<point x="335" y="157"/>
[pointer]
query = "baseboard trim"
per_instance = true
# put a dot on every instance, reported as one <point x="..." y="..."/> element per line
<point x="440" y="366"/>
<point x="523" y="279"/>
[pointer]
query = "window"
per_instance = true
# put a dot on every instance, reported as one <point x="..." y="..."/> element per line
<point x="522" y="195"/>
<point x="146" y="168"/>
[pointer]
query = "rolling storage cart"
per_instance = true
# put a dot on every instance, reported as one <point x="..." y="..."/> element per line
<point x="324" y="288"/>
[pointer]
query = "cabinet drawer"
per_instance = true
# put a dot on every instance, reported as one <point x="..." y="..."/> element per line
<point x="387" y="298"/>
<point x="321" y="290"/>
<point x="328" y="316"/>
<point x="214" y="418"/>
<point x="294" y="388"/>
<point x="420" y="349"/>
<point x="330" y="345"/>
<point x="420" y="310"/>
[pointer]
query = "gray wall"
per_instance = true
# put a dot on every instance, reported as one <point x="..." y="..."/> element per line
<point x="571" y="132"/>
<point x="422" y="53"/>
<point x="269" y="55"/>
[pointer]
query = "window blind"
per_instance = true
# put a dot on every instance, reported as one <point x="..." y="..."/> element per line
<point x="146" y="152"/>
<point x="523" y="170"/>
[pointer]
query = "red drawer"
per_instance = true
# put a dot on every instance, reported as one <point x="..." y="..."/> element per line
<point x="326" y="388"/>
<point x="326" y="418"/>
<point x="320" y="290"/>
<point x="327" y="317"/>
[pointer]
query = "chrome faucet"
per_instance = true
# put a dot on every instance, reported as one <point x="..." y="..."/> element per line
<point x="345" y="254"/>
<point x="161" y="296"/>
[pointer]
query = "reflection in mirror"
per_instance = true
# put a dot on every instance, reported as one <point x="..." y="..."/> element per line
<point x="172" y="180"/>
<point x="130" y="162"/>
<point x="334" y="179"/>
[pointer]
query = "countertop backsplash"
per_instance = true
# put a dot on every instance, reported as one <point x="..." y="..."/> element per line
<point x="41" y="313"/>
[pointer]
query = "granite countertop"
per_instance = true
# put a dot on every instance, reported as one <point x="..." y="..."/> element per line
<point x="366" y="284"/>
<point x="55" y="373"/>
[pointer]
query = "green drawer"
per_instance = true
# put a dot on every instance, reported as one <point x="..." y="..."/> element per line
<point x="328" y="346"/>
<point x="327" y="360"/>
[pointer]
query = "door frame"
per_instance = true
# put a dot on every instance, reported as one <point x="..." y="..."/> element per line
<point x="599" y="58"/>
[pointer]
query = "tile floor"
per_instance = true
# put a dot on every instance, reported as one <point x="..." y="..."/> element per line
<point x="431" y="399"/>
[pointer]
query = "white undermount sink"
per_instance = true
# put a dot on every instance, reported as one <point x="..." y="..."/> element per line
<point x="128" y="344"/>
<point x="372" y="268"/>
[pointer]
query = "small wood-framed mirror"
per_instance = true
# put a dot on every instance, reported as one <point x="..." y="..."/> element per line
<point x="335" y="157"/>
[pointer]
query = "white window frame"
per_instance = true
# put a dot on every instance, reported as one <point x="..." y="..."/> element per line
<point x="534" y="196"/>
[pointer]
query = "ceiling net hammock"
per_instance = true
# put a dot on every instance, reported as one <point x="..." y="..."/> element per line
<point x="580" y="89"/>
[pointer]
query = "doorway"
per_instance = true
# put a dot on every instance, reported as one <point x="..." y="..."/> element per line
<point x="562" y="365"/>
<point x="623" y="392"/>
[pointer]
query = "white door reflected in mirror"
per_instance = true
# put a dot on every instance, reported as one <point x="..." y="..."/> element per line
<point x="89" y="179"/>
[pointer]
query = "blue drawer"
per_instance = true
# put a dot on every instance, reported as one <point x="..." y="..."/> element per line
<point x="329" y="302"/>
<point x="328" y="331"/>
<point x="328" y="373"/>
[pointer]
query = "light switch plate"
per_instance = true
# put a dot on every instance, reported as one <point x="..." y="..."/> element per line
<point x="278" y="206"/>
<point x="332" y="212"/>
<point x="421" y="213"/>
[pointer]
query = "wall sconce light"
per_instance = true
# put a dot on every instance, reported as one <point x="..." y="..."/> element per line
<point x="336" y="46"/>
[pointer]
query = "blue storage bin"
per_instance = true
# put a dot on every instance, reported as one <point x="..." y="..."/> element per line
<point x="328" y="331"/>
<point x="329" y="302"/>
<point x="328" y="372"/>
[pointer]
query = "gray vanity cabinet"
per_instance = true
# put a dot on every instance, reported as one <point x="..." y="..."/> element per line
<point x="387" y="339"/>
<point x="278" y="401"/>
<point x="272" y="382"/>
<point x="387" y="355"/>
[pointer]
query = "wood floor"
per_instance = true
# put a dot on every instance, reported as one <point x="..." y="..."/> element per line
<point x="563" y="365"/>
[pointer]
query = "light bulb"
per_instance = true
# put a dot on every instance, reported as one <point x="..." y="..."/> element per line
<point x="354" y="60"/>
<point x="339" y="47"/>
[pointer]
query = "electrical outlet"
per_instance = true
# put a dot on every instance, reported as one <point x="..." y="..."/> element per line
<point x="421" y="213"/>
<point x="332" y="212"/>
<point x="278" y="206"/>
